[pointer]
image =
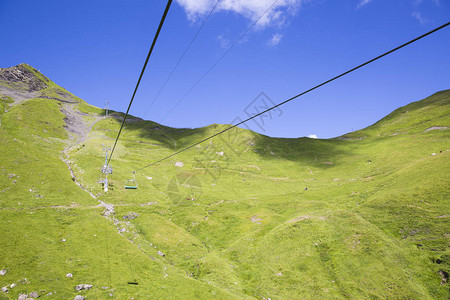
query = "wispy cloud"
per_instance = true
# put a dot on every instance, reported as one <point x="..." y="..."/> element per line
<point x="363" y="3"/>
<point x="224" y="42"/>
<point x="250" y="9"/>
<point x="275" y="40"/>
<point x="419" y="17"/>
<point x="437" y="2"/>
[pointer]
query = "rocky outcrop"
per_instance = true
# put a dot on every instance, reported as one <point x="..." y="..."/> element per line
<point x="24" y="77"/>
<point x="23" y="82"/>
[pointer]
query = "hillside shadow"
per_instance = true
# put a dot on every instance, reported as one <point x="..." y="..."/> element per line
<point x="150" y="132"/>
<point x="241" y="143"/>
<point x="313" y="152"/>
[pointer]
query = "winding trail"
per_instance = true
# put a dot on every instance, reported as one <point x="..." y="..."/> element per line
<point x="78" y="132"/>
<point x="78" y="129"/>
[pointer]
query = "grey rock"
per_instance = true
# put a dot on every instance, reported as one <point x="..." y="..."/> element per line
<point x="33" y="295"/>
<point x="24" y="281"/>
<point x="81" y="287"/>
<point x="130" y="216"/>
<point x="22" y="296"/>
<point x="436" y="128"/>
<point x="79" y="297"/>
<point x="3" y="272"/>
<point x="161" y="254"/>
<point x="4" y="289"/>
<point x="69" y="275"/>
<point x="13" y="285"/>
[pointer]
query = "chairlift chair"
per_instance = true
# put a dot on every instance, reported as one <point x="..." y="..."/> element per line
<point x="131" y="184"/>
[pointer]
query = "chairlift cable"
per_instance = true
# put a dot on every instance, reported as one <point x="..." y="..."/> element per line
<point x="218" y="60"/>
<point x="107" y="251"/>
<point x="169" y="2"/>
<point x="301" y="94"/>
<point x="181" y="58"/>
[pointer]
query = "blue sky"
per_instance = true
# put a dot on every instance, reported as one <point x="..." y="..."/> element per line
<point x="96" y="49"/>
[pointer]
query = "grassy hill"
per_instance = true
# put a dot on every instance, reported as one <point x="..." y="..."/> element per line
<point x="364" y="215"/>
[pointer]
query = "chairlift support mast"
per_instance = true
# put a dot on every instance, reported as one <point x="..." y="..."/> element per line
<point x="106" y="170"/>
<point x="106" y="109"/>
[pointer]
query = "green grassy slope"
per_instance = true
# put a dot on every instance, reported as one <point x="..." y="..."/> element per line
<point x="236" y="220"/>
<point x="51" y="227"/>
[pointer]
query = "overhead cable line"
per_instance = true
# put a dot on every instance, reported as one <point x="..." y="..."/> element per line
<point x="301" y="94"/>
<point x="218" y="60"/>
<point x="181" y="58"/>
<point x="169" y="2"/>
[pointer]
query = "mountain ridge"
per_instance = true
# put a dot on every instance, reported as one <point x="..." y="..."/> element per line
<point x="33" y="84"/>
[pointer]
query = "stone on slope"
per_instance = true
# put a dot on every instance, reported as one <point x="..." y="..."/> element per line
<point x="130" y="216"/>
<point x="33" y="295"/>
<point x="22" y="296"/>
<point x="83" y="286"/>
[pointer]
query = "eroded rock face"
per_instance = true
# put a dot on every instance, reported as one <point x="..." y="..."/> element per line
<point x="25" y="76"/>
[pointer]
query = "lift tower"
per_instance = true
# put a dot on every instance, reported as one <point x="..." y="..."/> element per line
<point x="106" y="170"/>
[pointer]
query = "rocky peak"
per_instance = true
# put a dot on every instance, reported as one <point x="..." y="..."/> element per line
<point x="24" y="77"/>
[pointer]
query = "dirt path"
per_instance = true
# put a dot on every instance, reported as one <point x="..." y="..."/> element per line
<point x="79" y="129"/>
<point x="78" y="132"/>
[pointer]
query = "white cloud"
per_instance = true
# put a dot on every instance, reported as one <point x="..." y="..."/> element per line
<point x="224" y="42"/>
<point x="419" y="17"/>
<point x="275" y="40"/>
<point x="418" y="2"/>
<point x="194" y="8"/>
<point x="313" y="136"/>
<point x="251" y="9"/>
<point x="363" y="3"/>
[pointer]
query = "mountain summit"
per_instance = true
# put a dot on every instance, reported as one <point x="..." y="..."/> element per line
<point x="23" y="82"/>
